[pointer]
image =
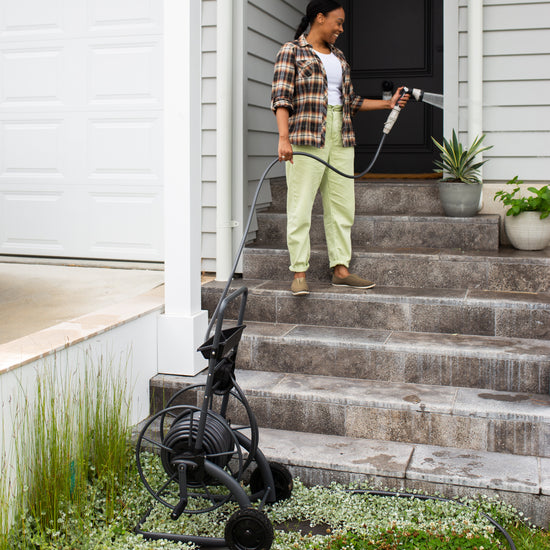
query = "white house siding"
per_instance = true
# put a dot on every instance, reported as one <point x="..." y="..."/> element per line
<point x="80" y="128"/>
<point x="270" y="24"/>
<point x="516" y="74"/>
<point x="208" y="112"/>
<point x="267" y="25"/>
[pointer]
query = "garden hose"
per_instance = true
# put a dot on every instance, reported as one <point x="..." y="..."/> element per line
<point x="388" y="125"/>
<point x="253" y="208"/>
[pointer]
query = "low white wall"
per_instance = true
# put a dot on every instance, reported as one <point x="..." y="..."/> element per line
<point x="133" y="344"/>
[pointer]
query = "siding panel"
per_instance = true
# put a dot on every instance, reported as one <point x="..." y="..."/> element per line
<point x="208" y="114"/>
<point x="511" y="68"/>
<point x="510" y="17"/>
<point x="512" y="94"/>
<point x="270" y="24"/>
<point x="518" y="144"/>
<point x="516" y="49"/>
<point x="513" y="42"/>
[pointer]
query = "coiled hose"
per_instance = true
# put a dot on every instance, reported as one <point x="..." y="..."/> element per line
<point x="181" y="438"/>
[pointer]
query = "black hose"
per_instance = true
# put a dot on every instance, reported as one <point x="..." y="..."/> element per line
<point x="440" y="499"/>
<point x="253" y="208"/>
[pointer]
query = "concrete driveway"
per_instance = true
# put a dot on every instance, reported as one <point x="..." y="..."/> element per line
<point x="37" y="296"/>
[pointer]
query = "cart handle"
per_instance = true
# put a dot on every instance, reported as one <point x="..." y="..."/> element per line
<point x="220" y="312"/>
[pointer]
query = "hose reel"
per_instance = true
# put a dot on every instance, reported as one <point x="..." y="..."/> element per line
<point x="182" y="438"/>
<point x="193" y="459"/>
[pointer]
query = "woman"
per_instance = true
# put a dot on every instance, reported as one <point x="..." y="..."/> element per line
<point x="313" y="101"/>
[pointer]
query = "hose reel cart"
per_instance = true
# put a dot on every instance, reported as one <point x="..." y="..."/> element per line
<point x="193" y="460"/>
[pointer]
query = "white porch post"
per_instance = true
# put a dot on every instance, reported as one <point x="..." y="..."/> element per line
<point x="224" y="142"/>
<point x="475" y="69"/>
<point x="181" y="329"/>
<point x="451" y="67"/>
<point x="475" y="76"/>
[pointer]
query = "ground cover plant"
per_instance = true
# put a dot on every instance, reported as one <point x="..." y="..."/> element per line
<point x="77" y="488"/>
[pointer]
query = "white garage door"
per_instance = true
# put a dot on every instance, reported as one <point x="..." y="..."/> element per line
<point x="80" y="128"/>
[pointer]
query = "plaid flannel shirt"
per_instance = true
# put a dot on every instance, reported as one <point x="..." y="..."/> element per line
<point x="300" y="85"/>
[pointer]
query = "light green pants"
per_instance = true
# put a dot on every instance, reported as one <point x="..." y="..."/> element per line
<point x="304" y="178"/>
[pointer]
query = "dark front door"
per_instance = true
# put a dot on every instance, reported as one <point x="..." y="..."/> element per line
<point x="398" y="41"/>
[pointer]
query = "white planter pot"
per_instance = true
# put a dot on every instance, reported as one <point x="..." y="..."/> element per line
<point x="527" y="231"/>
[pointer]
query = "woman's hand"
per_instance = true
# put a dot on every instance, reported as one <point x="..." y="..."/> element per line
<point x="398" y="99"/>
<point x="285" y="149"/>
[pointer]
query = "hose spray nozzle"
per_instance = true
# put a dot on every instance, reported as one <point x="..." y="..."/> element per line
<point x="417" y="93"/>
<point x="436" y="100"/>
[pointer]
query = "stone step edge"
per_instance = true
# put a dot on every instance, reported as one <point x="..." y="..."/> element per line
<point x="440" y="296"/>
<point x="522" y="481"/>
<point x="406" y="462"/>
<point x="402" y="462"/>
<point x="429" y="343"/>
<point x="480" y="219"/>
<point x="504" y="256"/>
<point x="375" y="394"/>
<point x="373" y="181"/>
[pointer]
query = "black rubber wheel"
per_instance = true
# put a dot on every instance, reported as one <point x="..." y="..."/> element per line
<point x="282" y="479"/>
<point x="249" y="529"/>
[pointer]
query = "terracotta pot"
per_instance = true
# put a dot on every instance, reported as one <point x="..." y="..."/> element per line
<point x="460" y="199"/>
<point x="527" y="231"/>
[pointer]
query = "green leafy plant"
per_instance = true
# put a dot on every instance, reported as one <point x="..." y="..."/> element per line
<point x="457" y="162"/>
<point x="539" y="201"/>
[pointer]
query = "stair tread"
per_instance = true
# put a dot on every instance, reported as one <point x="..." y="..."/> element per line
<point x="408" y="462"/>
<point x="424" y="398"/>
<point x="451" y="296"/>
<point x="381" y="181"/>
<point x="504" y="254"/>
<point x="438" y="343"/>
<point x="436" y="218"/>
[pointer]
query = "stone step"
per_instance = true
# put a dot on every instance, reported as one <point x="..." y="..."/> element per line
<point x="521" y="481"/>
<point x="505" y="269"/>
<point x="388" y="197"/>
<point x="404" y="309"/>
<point x="459" y="418"/>
<point x="320" y="459"/>
<point x="489" y="363"/>
<point x="476" y="233"/>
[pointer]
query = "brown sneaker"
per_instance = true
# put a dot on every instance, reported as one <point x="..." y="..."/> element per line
<point x="299" y="287"/>
<point x="353" y="281"/>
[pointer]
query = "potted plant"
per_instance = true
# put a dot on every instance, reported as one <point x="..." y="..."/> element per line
<point x="460" y="189"/>
<point x="527" y="221"/>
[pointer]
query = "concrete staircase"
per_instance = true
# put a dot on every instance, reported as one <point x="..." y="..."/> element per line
<point x="437" y="379"/>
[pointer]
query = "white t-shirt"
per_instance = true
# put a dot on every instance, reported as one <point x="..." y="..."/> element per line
<point x="333" y="68"/>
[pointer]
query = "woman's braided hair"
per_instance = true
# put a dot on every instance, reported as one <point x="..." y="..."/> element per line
<point x="313" y="8"/>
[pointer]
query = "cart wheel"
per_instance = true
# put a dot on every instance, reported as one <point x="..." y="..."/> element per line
<point x="282" y="479"/>
<point x="249" y="529"/>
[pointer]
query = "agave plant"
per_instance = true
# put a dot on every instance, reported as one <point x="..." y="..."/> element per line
<point x="458" y="163"/>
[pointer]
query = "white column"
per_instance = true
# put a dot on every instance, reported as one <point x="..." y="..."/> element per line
<point x="224" y="135"/>
<point x="182" y="328"/>
<point x="450" y="64"/>
<point x="475" y="69"/>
